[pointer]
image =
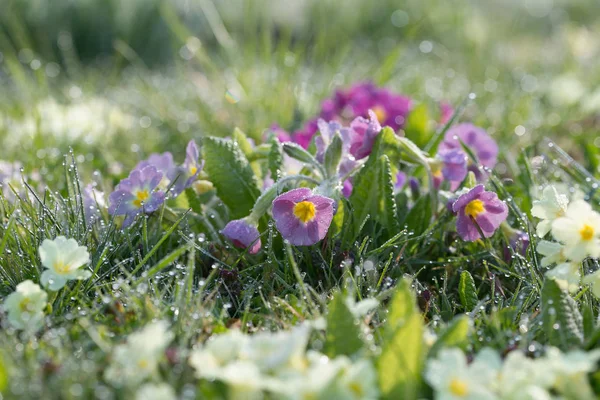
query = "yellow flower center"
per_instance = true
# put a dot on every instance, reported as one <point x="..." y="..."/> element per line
<point x="305" y="211"/>
<point x="587" y="232"/>
<point x="193" y="169"/>
<point x="143" y="363"/>
<point x="474" y="208"/>
<point x="458" y="387"/>
<point x="357" y="389"/>
<point x="380" y="113"/>
<point x="60" y="267"/>
<point x="24" y="305"/>
<point x="140" y="197"/>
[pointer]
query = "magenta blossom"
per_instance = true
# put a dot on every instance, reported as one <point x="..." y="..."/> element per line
<point x="479" y="208"/>
<point x="477" y="139"/>
<point x="446" y="111"/>
<point x="281" y="134"/>
<point x="302" y="217"/>
<point x="362" y="134"/>
<point x="243" y="234"/>
<point x="137" y="194"/>
<point x="304" y="135"/>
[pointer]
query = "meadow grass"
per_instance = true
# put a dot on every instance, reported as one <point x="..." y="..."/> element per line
<point x="525" y="73"/>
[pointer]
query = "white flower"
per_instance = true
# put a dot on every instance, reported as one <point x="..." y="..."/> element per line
<point x="63" y="258"/>
<point x="210" y="360"/>
<point x="138" y="359"/>
<point x="25" y="306"/>
<point x="552" y="251"/>
<point x="361" y="308"/>
<point x="359" y="381"/>
<point x="552" y="205"/>
<point x="155" y="391"/>
<point x="579" y="230"/>
<point x="524" y="378"/>
<point x="566" y="90"/>
<point x="594" y="280"/>
<point x="273" y="351"/>
<point x="567" y="275"/>
<point x="570" y="372"/>
<point x="452" y="379"/>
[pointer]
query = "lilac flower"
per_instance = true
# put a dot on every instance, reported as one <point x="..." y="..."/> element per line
<point x="302" y="217"/>
<point x="478" y="207"/>
<point x="93" y="201"/>
<point x="482" y="144"/>
<point x="136" y="194"/>
<point x="400" y="181"/>
<point x="346" y="165"/>
<point x="188" y="172"/>
<point x="518" y="242"/>
<point x="327" y="131"/>
<point x="243" y="234"/>
<point x="362" y="135"/>
<point x="162" y="162"/>
<point x="453" y="168"/>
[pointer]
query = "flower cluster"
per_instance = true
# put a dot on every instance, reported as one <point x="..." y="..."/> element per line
<point x="144" y="190"/>
<point x="279" y="364"/>
<point x="515" y="377"/>
<point x="575" y="226"/>
<point x="62" y="259"/>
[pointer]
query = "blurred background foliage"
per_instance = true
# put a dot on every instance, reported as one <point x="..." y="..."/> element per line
<point x="175" y="69"/>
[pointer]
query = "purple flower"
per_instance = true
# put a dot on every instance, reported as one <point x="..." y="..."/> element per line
<point x="518" y="242"/>
<point x="243" y="234"/>
<point x="304" y="136"/>
<point x="162" y="162"/>
<point x="453" y="168"/>
<point x="362" y="135"/>
<point x="482" y="144"/>
<point x="93" y="201"/>
<point x="327" y="131"/>
<point x="302" y="217"/>
<point x="478" y="207"/>
<point x="187" y="173"/>
<point x="136" y="194"/>
<point x="446" y="111"/>
<point x="400" y="181"/>
<point x="346" y="165"/>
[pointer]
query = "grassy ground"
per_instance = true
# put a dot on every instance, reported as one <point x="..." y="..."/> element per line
<point x="91" y="89"/>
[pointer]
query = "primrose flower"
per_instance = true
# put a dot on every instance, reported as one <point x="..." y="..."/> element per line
<point x="551" y="206"/>
<point x="477" y="139"/>
<point x="450" y="165"/>
<point x="136" y="194"/>
<point x="304" y="136"/>
<point x="579" y="230"/>
<point x="302" y="217"/>
<point x="163" y="163"/>
<point x="25" y="306"/>
<point x="567" y="275"/>
<point x="188" y="172"/>
<point x="359" y="381"/>
<point x="93" y="201"/>
<point x="155" y="391"/>
<point x="362" y="135"/>
<point x="138" y="358"/>
<point x="452" y="379"/>
<point x="243" y="234"/>
<point x="446" y="111"/>
<point x="281" y="134"/>
<point x="327" y="131"/>
<point x="62" y="259"/>
<point x="479" y="208"/>
<point x="553" y="252"/>
<point x="518" y="243"/>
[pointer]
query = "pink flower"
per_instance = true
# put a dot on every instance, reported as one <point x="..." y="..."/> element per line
<point x="302" y="217"/>
<point x="479" y="208"/>
<point x="243" y="234"/>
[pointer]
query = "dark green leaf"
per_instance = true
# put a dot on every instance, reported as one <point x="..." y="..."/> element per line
<point x="343" y="335"/>
<point x="562" y="321"/>
<point x="467" y="291"/>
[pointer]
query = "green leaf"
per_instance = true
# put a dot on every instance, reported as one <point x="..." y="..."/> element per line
<point x="417" y="126"/>
<point x="3" y="375"/>
<point x="562" y="321"/>
<point x="419" y="216"/>
<point x="373" y="197"/>
<point x="467" y="291"/>
<point x="275" y="158"/>
<point x="242" y="140"/>
<point x="296" y="151"/>
<point x="401" y="361"/>
<point x="343" y="334"/>
<point x="455" y="335"/>
<point x="333" y="155"/>
<point x="401" y="307"/>
<point x="231" y="175"/>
